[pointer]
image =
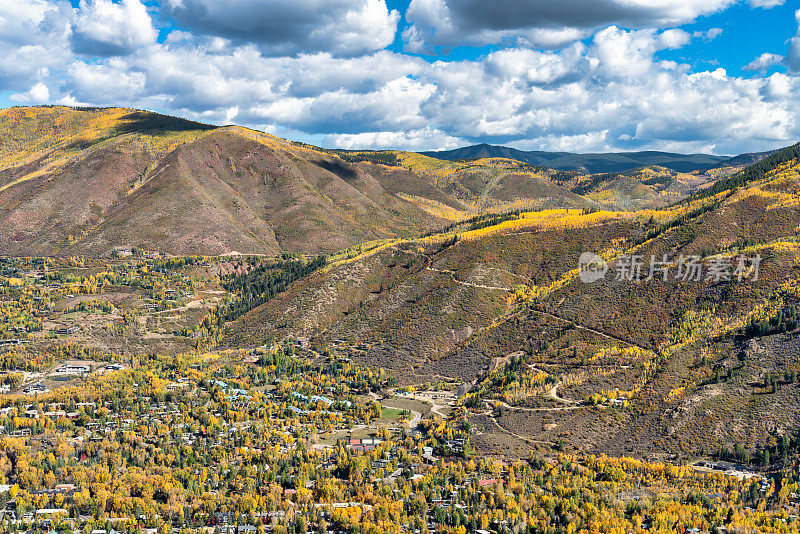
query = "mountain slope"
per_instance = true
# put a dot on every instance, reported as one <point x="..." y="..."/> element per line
<point x="591" y="163"/>
<point x="85" y="181"/>
<point x="498" y="304"/>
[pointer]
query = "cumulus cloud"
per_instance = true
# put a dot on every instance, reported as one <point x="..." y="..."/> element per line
<point x="566" y="82"/>
<point x="764" y="62"/>
<point x="33" y="41"/>
<point x="793" y="56"/>
<point x="673" y="38"/>
<point x="106" y="83"/>
<point x="105" y="28"/>
<point x="610" y="92"/>
<point x="423" y="139"/>
<point x="457" y="22"/>
<point x="38" y="94"/>
<point x="780" y="87"/>
<point x="342" y="27"/>
<point x="595" y="141"/>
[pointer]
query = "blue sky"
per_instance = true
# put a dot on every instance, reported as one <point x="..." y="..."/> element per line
<point x="747" y="33"/>
<point x="585" y="75"/>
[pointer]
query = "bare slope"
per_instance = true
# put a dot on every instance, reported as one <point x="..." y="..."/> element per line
<point x="84" y="181"/>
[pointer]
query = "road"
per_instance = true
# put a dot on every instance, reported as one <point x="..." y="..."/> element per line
<point x="506" y="406"/>
<point x="589" y="329"/>
<point x="463" y="283"/>
<point x="416" y="416"/>
<point x="435" y="407"/>
<point x="553" y="393"/>
<point x="414" y="421"/>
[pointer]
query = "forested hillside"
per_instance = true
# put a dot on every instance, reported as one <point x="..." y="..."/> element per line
<point x="462" y="305"/>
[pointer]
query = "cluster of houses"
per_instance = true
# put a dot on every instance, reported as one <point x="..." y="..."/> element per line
<point x="127" y="252"/>
<point x="65" y="330"/>
<point x="735" y="470"/>
<point x="182" y="427"/>
<point x="360" y="444"/>
<point x="35" y="389"/>
<point x="72" y="369"/>
<point x="68" y="369"/>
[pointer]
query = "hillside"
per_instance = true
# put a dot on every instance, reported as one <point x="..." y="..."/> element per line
<point x="497" y="304"/>
<point x="587" y="163"/>
<point x="502" y="184"/>
<point x="88" y="180"/>
<point x="747" y="159"/>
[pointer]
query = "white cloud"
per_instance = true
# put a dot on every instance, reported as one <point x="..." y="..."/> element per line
<point x="780" y="87"/>
<point x="586" y="142"/>
<point x="341" y="27"/>
<point x="630" y="53"/>
<point x="584" y="89"/>
<point x="708" y="35"/>
<point x="33" y="41"/>
<point x="109" y="83"/>
<point x="793" y="55"/>
<point x="105" y="28"/>
<point x="674" y="38"/>
<point x="763" y="62"/>
<point x="38" y="94"/>
<point x="419" y="140"/>
<point x="458" y="22"/>
<point x="766" y="3"/>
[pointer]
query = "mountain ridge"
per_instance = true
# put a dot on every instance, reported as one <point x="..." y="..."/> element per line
<point x="88" y="180"/>
<point x="645" y="366"/>
<point x="599" y="162"/>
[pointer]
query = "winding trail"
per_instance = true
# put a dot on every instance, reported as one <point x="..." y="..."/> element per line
<point x="520" y="437"/>
<point x="414" y="421"/>
<point x="416" y="416"/>
<point x="553" y="391"/>
<point x="579" y="326"/>
<point x="589" y="329"/>
<point x="506" y="406"/>
<point x="463" y="283"/>
<point x="435" y="408"/>
<point x="553" y="394"/>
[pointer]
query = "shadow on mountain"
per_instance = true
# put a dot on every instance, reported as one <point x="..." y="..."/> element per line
<point x="153" y="123"/>
<point x="345" y="172"/>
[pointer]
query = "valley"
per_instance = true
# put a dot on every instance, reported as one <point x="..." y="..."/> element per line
<point x="229" y="302"/>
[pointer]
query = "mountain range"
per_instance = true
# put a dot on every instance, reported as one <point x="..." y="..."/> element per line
<point x="463" y="272"/>
<point x="645" y="366"/>
<point x="86" y="180"/>
<point x="598" y="162"/>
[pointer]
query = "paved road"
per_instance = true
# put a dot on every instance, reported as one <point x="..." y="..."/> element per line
<point x="416" y="416"/>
